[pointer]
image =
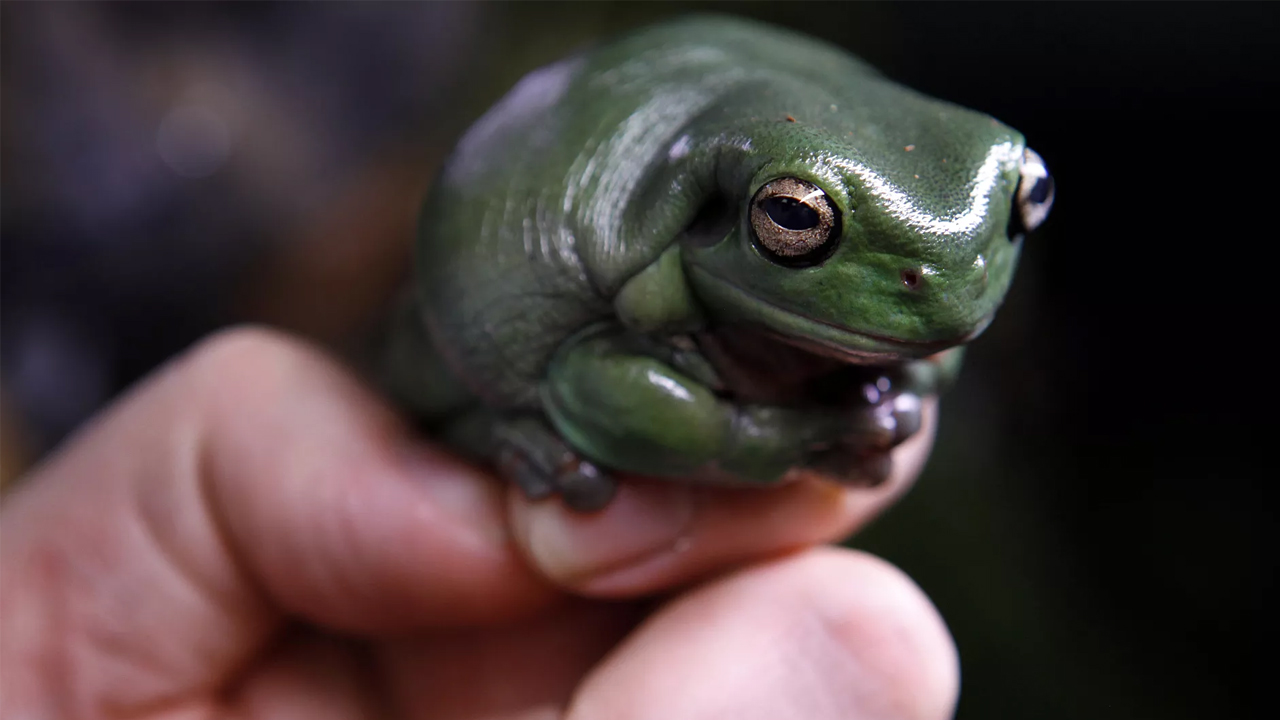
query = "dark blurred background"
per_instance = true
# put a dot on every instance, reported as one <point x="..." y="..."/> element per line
<point x="1088" y="523"/>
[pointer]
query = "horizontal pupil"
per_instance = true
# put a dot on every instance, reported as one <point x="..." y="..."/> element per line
<point x="1040" y="191"/>
<point x="790" y="213"/>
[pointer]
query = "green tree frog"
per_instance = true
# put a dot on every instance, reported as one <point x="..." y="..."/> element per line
<point x="712" y="251"/>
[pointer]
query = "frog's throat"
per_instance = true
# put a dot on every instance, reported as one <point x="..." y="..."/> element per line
<point x="733" y="304"/>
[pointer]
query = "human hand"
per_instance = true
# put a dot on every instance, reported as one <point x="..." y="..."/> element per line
<point x="252" y="533"/>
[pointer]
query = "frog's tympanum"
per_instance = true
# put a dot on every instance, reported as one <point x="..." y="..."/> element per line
<point x="711" y="251"/>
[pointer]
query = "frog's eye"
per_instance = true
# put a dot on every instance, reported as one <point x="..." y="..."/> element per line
<point x="1034" y="196"/>
<point x="794" y="222"/>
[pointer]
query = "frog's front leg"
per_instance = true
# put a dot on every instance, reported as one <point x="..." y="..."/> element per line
<point x="614" y="396"/>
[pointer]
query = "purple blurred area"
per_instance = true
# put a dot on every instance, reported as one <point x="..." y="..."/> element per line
<point x="154" y="153"/>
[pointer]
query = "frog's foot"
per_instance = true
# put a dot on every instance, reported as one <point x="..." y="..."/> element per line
<point x="851" y="466"/>
<point x="886" y="421"/>
<point x="533" y="457"/>
<point x="862" y="456"/>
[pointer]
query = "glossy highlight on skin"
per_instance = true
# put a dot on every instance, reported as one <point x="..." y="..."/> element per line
<point x="1000" y="158"/>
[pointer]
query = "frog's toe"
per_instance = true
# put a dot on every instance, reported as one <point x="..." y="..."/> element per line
<point x="886" y="423"/>
<point x="907" y="412"/>
<point x="584" y="487"/>
<point x="540" y="463"/>
<point x="516" y="466"/>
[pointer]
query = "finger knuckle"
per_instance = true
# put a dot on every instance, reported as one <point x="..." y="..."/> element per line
<point x="238" y="354"/>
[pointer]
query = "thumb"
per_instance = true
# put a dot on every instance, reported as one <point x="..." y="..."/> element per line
<point x="248" y="482"/>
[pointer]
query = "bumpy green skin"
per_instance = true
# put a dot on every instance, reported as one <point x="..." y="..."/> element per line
<point x="562" y="283"/>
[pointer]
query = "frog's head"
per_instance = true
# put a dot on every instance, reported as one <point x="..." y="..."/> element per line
<point x="871" y="249"/>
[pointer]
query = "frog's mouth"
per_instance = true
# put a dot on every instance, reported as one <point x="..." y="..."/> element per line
<point x="816" y="336"/>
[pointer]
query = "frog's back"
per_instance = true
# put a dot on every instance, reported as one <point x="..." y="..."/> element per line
<point x="530" y="230"/>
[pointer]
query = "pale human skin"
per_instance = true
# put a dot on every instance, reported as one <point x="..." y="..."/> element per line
<point x="253" y="533"/>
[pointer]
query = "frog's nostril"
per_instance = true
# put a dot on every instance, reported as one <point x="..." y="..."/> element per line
<point x="911" y="278"/>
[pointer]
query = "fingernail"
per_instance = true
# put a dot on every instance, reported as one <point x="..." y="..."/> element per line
<point x="643" y="520"/>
